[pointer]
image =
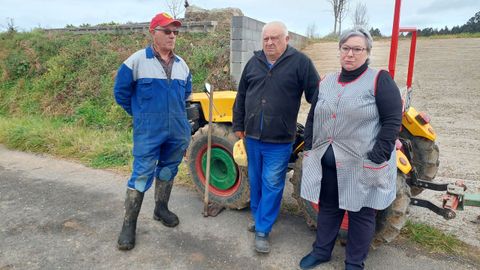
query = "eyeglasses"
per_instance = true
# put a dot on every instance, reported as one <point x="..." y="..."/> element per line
<point x="167" y="31"/>
<point x="355" y="50"/>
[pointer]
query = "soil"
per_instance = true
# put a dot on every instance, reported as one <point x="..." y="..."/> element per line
<point x="446" y="86"/>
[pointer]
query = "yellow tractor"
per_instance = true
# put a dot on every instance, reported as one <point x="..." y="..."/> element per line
<point x="229" y="187"/>
<point x="417" y="156"/>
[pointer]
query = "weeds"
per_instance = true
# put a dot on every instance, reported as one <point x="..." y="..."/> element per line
<point x="56" y="91"/>
<point x="435" y="241"/>
<point x="97" y="148"/>
<point x="71" y="76"/>
<point x="432" y="238"/>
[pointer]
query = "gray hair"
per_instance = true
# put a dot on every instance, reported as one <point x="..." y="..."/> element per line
<point x="357" y="32"/>
<point x="279" y="24"/>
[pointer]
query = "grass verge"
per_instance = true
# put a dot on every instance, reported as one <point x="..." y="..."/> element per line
<point x="437" y="242"/>
<point x="96" y="148"/>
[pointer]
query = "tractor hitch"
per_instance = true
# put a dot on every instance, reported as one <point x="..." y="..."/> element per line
<point x="444" y="212"/>
<point x="455" y="197"/>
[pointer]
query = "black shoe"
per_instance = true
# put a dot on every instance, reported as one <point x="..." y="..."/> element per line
<point x="162" y="196"/>
<point x="261" y="243"/>
<point x="133" y="203"/>
<point x="310" y="261"/>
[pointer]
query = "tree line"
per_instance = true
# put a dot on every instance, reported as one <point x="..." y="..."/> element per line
<point x="471" y="26"/>
<point x="359" y="17"/>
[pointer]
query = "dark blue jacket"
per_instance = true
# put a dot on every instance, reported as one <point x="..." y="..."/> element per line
<point x="268" y="99"/>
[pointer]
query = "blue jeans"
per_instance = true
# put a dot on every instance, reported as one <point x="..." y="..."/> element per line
<point x="267" y="168"/>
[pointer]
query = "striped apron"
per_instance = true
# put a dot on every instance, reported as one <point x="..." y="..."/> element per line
<point x="346" y="117"/>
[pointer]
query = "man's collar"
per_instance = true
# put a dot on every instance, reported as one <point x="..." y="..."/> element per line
<point x="151" y="53"/>
<point x="288" y="51"/>
<point x="157" y="54"/>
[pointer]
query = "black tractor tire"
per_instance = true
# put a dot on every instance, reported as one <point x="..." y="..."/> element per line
<point x="389" y="222"/>
<point x="425" y="158"/>
<point x="307" y="209"/>
<point x="223" y="138"/>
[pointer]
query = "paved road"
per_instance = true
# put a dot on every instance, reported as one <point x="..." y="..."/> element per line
<point x="61" y="215"/>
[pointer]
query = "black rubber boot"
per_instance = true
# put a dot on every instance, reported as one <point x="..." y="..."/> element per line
<point x="133" y="203"/>
<point x="162" y="196"/>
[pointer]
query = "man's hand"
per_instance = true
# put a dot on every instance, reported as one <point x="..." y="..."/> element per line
<point x="240" y="134"/>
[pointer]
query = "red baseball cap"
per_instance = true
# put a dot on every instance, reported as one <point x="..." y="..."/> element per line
<point x="163" y="19"/>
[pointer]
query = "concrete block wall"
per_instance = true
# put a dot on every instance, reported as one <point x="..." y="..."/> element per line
<point x="187" y="26"/>
<point x="246" y="37"/>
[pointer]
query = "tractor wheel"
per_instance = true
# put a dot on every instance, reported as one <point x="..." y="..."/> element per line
<point x="392" y="219"/>
<point x="308" y="209"/>
<point x="389" y="222"/>
<point x="425" y="158"/>
<point x="228" y="185"/>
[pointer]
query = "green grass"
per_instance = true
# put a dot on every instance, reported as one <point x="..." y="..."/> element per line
<point x="94" y="147"/>
<point x="435" y="241"/>
<point x="97" y="148"/>
<point x="56" y="91"/>
<point x="431" y="238"/>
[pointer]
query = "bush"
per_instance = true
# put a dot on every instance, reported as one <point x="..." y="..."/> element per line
<point x="16" y="65"/>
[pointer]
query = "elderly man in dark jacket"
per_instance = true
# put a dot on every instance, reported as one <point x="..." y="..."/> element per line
<point x="265" y="112"/>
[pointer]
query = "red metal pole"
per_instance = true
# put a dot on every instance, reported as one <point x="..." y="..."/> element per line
<point x="411" y="61"/>
<point x="394" y="41"/>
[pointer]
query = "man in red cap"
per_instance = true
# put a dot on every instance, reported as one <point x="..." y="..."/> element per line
<point x="152" y="86"/>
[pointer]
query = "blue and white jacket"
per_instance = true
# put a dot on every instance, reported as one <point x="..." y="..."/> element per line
<point x="156" y="103"/>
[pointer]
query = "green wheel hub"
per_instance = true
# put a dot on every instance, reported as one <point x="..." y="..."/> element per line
<point x="223" y="171"/>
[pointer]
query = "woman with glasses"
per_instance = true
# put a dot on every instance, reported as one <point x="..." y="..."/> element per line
<point x="349" y="163"/>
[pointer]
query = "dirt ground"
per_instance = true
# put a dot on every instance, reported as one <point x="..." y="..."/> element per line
<point x="446" y="86"/>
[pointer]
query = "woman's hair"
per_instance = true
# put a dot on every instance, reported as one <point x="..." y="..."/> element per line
<point x="357" y="32"/>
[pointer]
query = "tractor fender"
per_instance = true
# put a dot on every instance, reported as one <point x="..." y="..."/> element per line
<point x="418" y="124"/>
<point x="222" y="105"/>
<point x="402" y="162"/>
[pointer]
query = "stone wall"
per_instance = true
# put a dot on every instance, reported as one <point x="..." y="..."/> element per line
<point x="187" y="26"/>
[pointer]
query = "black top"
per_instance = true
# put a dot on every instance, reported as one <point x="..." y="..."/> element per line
<point x="389" y="106"/>
<point x="268" y="96"/>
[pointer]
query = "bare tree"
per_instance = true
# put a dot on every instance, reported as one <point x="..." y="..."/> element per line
<point x="334" y="4"/>
<point x="359" y="16"/>
<point x="342" y="13"/>
<point x="176" y="7"/>
<point x="312" y="31"/>
<point x="340" y="8"/>
<point x="11" y="28"/>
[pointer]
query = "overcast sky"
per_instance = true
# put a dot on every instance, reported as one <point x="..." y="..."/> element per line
<point x="297" y="15"/>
